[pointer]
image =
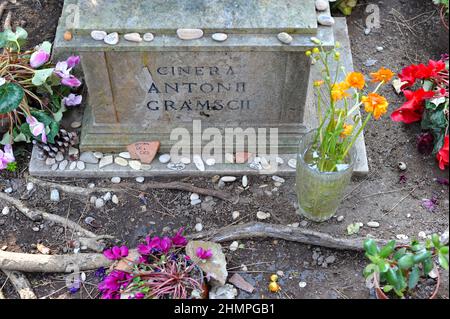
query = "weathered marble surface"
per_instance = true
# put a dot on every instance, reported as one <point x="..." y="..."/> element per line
<point x="163" y="16"/>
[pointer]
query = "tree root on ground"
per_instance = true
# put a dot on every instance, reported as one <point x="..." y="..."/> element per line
<point x="51" y="263"/>
<point x="90" y="240"/>
<point x="301" y="235"/>
<point x="150" y="185"/>
<point x="20" y="283"/>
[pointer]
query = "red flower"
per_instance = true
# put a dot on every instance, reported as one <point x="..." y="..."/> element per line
<point x="415" y="72"/>
<point x="442" y="155"/>
<point x="412" y="110"/>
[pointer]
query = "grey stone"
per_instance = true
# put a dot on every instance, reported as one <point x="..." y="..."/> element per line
<point x="325" y="19"/>
<point x="88" y="157"/>
<point x="116" y="180"/>
<point x="285" y="38"/>
<point x="165" y="158"/>
<point x="73" y="165"/>
<point x="81" y="165"/>
<point x="321" y="5"/>
<point x="225" y="292"/>
<point x="50" y="161"/>
<point x="30" y="186"/>
<point x="59" y="157"/>
<point x="55" y="167"/>
<point x="106" y="161"/>
<point x="99" y="203"/>
<point x="195" y="202"/>
<point x="54" y="195"/>
<point x="121" y="161"/>
<point x="140" y="179"/>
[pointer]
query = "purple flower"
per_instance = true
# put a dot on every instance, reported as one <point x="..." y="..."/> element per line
<point x="203" y="254"/>
<point x="100" y="273"/>
<point x="139" y="295"/>
<point x="430" y="204"/>
<point x="39" y="58"/>
<point x="72" y="100"/>
<point x="151" y="245"/>
<point x="178" y="239"/>
<point x="6" y="156"/>
<point x="116" y="253"/>
<point x="73" y="61"/>
<point x="165" y="245"/>
<point x="442" y="181"/>
<point x="37" y="128"/>
<point x="62" y="70"/>
<point x="425" y="143"/>
<point x="113" y="283"/>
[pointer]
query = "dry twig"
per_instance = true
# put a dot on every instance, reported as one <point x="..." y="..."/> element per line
<point x="21" y="284"/>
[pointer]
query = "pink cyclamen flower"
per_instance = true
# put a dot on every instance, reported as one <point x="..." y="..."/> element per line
<point x="39" y="58"/>
<point x="151" y="245"/>
<point x="203" y="254"/>
<point x="63" y="70"/>
<point x="37" y="128"/>
<point x="72" y="100"/>
<point x="73" y="61"/>
<point x="116" y="253"/>
<point x="178" y="239"/>
<point x="6" y="156"/>
<point x="113" y="283"/>
<point x="165" y="245"/>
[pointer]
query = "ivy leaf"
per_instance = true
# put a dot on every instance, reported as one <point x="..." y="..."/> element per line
<point x="6" y="139"/>
<point x="11" y="95"/>
<point x="41" y="76"/>
<point x="21" y="138"/>
<point x="21" y="33"/>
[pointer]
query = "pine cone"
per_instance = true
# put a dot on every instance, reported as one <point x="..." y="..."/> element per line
<point x="63" y="141"/>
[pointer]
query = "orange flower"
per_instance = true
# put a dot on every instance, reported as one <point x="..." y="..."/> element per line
<point x="376" y="104"/>
<point x="338" y="92"/>
<point x="382" y="75"/>
<point x="319" y="83"/>
<point x="356" y="80"/>
<point x="348" y="129"/>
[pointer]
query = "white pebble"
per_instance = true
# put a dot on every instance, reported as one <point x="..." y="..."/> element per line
<point x="262" y="215"/>
<point x="133" y="37"/>
<point x="107" y="197"/>
<point x="54" y="195"/>
<point x="121" y="161"/>
<point x="164" y="159"/>
<point x="115" y="199"/>
<point x="321" y="5"/>
<point x="196" y="202"/>
<point x="325" y="19"/>
<point x="219" y="37"/>
<point x="373" y="224"/>
<point x="99" y="203"/>
<point x="189" y="34"/>
<point x="116" y="180"/>
<point x="148" y="37"/>
<point x="185" y="160"/>
<point x="136" y="165"/>
<point x="340" y="218"/>
<point x="285" y="38"/>
<point x="234" y="246"/>
<point x="112" y="38"/>
<point x="98" y="35"/>
<point x="30" y="186"/>
<point x="235" y="215"/>
<point x="140" y="179"/>
<point x="199" y="163"/>
<point x="5" y="210"/>
<point x="80" y="165"/>
<point x="245" y="181"/>
<point x="302" y="284"/>
<point x="292" y="163"/>
<point x="278" y="179"/>
<point x="228" y="179"/>
<point x="195" y="196"/>
<point x="199" y="227"/>
<point x="210" y="162"/>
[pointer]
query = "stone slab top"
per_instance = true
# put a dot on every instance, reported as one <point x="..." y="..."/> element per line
<point x="165" y="16"/>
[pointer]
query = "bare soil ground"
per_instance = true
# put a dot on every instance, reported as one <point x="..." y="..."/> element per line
<point x="369" y="199"/>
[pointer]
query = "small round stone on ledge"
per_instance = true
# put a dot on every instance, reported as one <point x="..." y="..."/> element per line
<point x="112" y="38"/>
<point x="219" y="37"/>
<point x="189" y="34"/>
<point x="133" y="37"/>
<point x="285" y="38"/>
<point x="326" y="20"/>
<point x="98" y="35"/>
<point x="148" y="37"/>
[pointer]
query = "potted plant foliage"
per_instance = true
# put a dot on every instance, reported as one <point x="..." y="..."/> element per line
<point x="326" y="157"/>
<point x="34" y="94"/>
<point x="407" y="272"/>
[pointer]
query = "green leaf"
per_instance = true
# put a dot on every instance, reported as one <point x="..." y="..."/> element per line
<point x="443" y="261"/>
<point x="420" y="257"/>
<point x="414" y="277"/>
<point x="388" y="249"/>
<point x="21" y="138"/>
<point x="10" y="36"/>
<point x="370" y="269"/>
<point x="388" y="288"/>
<point x="46" y="46"/>
<point x="41" y="76"/>
<point x="399" y="253"/>
<point x="11" y="95"/>
<point x="6" y="139"/>
<point x="371" y="247"/>
<point x="406" y="261"/>
<point x="21" y="34"/>
<point x="428" y="266"/>
<point x="383" y="266"/>
<point x="392" y="278"/>
<point x="444" y="250"/>
<point x="436" y="241"/>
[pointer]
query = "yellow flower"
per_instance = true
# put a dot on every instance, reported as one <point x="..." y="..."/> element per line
<point x="348" y="130"/>
<point x="338" y="91"/>
<point x="316" y="50"/>
<point x="382" y="75"/>
<point x="356" y="80"/>
<point x="274" y="278"/>
<point x="274" y="287"/>
<point x="319" y="83"/>
<point x="308" y="53"/>
<point x="376" y="104"/>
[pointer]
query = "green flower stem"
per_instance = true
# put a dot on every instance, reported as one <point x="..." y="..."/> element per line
<point x="355" y="137"/>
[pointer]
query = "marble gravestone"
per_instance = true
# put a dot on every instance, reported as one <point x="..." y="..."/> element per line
<point x="141" y="91"/>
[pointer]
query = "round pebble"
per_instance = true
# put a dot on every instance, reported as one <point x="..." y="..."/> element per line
<point x="140" y="179"/>
<point x="80" y="165"/>
<point x="54" y="195"/>
<point x="302" y="284"/>
<point x="235" y="215"/>
<point x="5" y="210"/>
<point x="133" y="37"/>
<point x="116" y="180"/>
<point x="115" y="199"/>
<point x="125" y="155"/>
<point x="321" y="5"/>
<point x="30" y="186"/>
<point x="228" y="179"/>
<point x="326" y="20"/>
<point x="373" y="224"/>
<point x="136" y="165"/>
<point x="112" y="38"/>
<point x="219" y="37"/>
<point x="75" y="124"/>
<point x="199" y="227"/>
<point x="98" y="35"/>
<point x="285" y="38"/>
<point x="194" y="196"/>
<point x="189" y="34"/>
<point x="164" y="159"/>
<point x="245" y="181"/>
<point x="121" y="161"/>
<point x="99" y="203"/>
<point x="210" y="162"/>
<point x="292" y="163"/>
<point x="148" y="37"/>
